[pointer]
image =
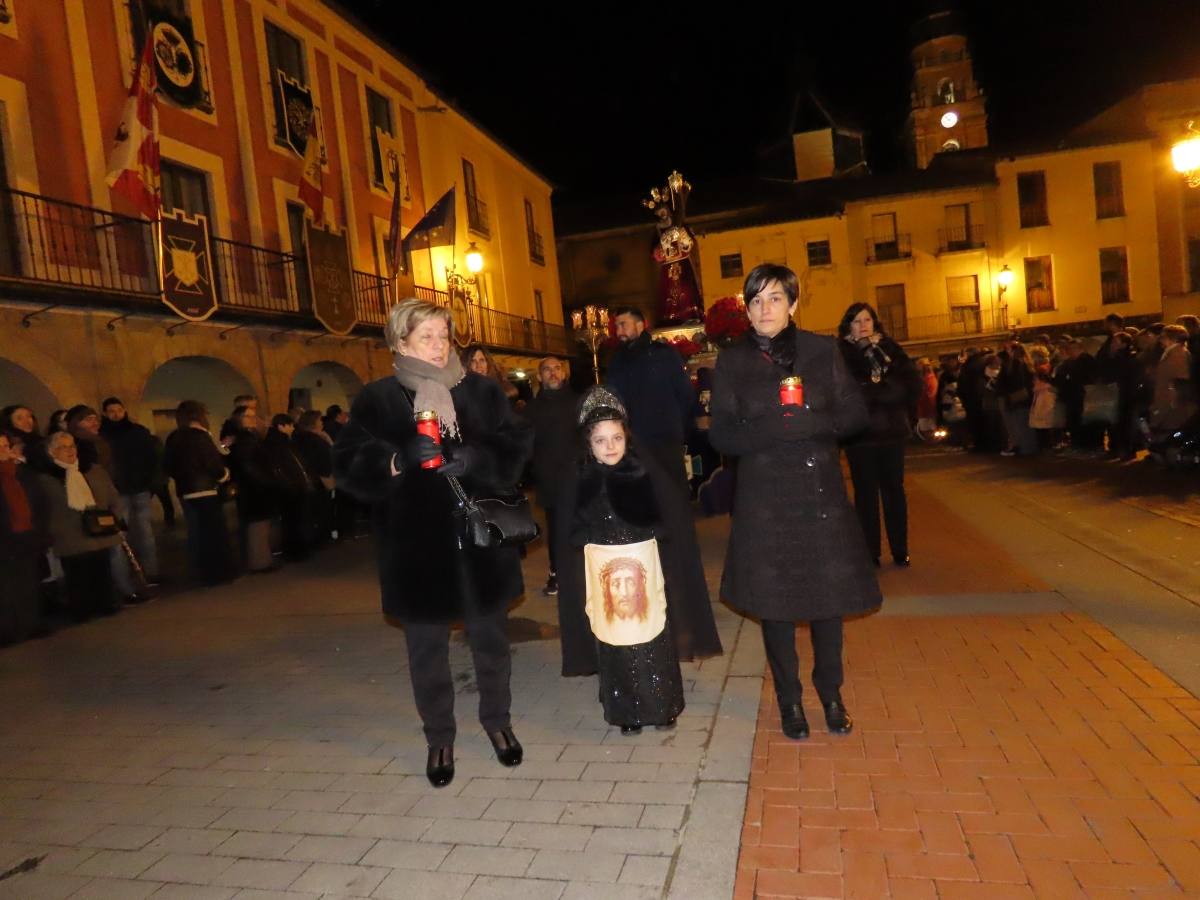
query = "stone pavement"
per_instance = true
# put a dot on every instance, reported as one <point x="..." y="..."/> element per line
<point x="261" y="742"/>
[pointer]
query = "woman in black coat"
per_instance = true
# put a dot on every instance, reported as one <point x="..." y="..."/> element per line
<point x="293" y="488"/>
<point x="796" y="551"/>
<point x="889" y="383"/>
<point x="430" y="573"/>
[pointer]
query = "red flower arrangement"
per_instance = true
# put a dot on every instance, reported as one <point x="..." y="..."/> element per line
<point x="687" y="348"/>
<point x="726" y="320"/>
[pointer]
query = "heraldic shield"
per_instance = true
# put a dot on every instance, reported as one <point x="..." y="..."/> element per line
<point x="187" y="272"/>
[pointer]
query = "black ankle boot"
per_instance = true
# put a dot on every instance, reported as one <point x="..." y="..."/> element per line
<point x="794" y="724"/>
<point x="439" y="768"/>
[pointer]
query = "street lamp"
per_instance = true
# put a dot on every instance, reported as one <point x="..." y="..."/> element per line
<point x="1004" y="279"/>
<point x="474" y="259"/>
<point x="1185" y="156"/>
<point x="458" y="290"/>
<point x="590" y="325"/>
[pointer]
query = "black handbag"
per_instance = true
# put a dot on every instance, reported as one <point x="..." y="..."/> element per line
<point x="495" y="521"/>
<point x="98" y="521"/>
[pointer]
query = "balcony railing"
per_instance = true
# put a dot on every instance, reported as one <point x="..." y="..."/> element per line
<point x="259" y="280"/>
<point x="73" y="246"/>
<point x="372" y="297"/>
<point x="885" y="249"/>
<point x="960" y="322"/>
<point x="477" y="216"/>
<point x="503" y="329"/>
<point x="1034" y="215"/>
<point x="536" y="248"/>
<point x="78" y="252"/>
<point x="961" y="237"/>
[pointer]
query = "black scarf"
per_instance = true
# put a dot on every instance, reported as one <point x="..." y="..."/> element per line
<point x="780" y="349"/>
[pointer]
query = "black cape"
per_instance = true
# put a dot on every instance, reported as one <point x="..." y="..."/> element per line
<point x="654" y="500"/>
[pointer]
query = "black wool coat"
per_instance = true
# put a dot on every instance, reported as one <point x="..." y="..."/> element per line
<point x="651" y="500"/>
<point x="796" y="550"/>
<point x="555" y="440"/>
<point x="889" y="400"/>
<point x="428" y="572"/>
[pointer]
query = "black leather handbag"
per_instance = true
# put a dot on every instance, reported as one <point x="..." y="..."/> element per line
<point x="495" y="521"/>
<point x="98" y="521"/>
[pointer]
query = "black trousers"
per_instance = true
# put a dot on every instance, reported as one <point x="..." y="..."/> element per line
<point x="779" y="639"/>
<point x="210" y="555"/>
<point x="88" y="583"/>
<point x="551" y="530"/>
<point x="877" y="471"/>
<point x="433" y="686"/>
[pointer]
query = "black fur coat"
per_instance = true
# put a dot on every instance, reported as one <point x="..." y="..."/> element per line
<point x="426" y="573"/>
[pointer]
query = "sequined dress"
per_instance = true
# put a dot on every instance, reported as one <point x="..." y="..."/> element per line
<point x="639" y="684"/>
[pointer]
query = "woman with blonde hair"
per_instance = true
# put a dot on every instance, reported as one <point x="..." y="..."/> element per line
<point x="430" y="572"/>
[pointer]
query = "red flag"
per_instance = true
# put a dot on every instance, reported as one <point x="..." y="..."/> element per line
<point x="133" y="167"/>
<point x="310" y="175"/>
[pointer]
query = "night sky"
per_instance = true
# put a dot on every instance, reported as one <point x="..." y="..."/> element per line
<point x="609" y="106"/>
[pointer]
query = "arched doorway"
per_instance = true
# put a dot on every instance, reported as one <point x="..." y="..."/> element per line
<point x="320" y="385"/>
<point x="20" y="386"/>
<point x="212" y="381"/>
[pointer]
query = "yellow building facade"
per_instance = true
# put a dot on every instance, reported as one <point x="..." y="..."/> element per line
<point x="79" y="306"/>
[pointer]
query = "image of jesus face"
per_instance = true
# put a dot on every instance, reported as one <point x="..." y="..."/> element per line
<point x="624" y="582"/>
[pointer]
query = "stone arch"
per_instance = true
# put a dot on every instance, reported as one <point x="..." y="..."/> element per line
<point x="20" y="386"/>
<point x="214" y="382"/>
<point x="321" y="384"/>
<point x="24" y="367"/>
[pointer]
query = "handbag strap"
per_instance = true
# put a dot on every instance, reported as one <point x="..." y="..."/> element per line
<point x="467" y="503"/>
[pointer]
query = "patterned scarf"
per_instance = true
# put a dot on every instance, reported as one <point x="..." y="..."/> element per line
<point x="432" y="387"/>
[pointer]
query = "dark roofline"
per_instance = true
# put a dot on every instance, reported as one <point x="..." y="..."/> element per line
<point x="355" y="21"/>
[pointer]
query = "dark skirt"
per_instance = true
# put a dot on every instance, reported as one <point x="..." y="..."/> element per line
<point x="640" y="684"/>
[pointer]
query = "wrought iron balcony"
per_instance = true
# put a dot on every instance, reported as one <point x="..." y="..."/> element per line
<point x="962" y="237"/>
<point x="959" y="322"/>
<point x="76" y="255"/>
<point x="898" y="246"/>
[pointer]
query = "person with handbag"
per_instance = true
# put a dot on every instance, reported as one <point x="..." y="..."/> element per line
<point x="434" y="567"/>
<point x="632" y="596"/>
<point x="192" y="459"/>
<point x="83" y="527"/>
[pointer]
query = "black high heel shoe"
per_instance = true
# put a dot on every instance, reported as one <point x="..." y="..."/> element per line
<point x="439" y="768"/>
<point x="508" y="749"/>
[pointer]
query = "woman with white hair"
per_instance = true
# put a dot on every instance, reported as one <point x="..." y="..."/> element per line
<point x="82" y="526"/>
<point x="430" y="572"/>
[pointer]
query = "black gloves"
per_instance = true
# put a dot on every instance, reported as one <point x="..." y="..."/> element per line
<point x="460" y="461"/>
<point x="420" y="448"/>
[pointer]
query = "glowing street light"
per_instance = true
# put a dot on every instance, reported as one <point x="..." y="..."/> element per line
<point x="1185" y="156"/>
<point x="1004" y="278"/>
<point x="474" y="259"/>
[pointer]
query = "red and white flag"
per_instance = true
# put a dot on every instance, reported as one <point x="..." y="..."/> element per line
<point x="133" y="166"/>
<point x="310" y="176"/>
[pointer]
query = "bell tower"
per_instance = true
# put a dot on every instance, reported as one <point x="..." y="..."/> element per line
<point x="947" y="107"/>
